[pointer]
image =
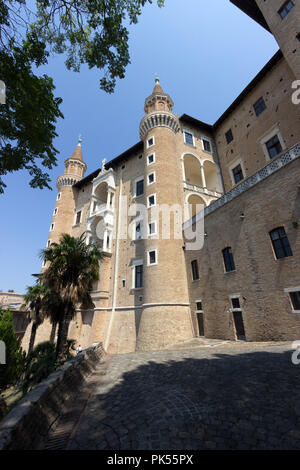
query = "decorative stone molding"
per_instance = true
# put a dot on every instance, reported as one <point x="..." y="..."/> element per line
<point x="67" y="180"/>
<point x="198" y="189"/>
<point x="75" y="161"/>
<point x="250" y="182"/>
<point x="28" y="423"/>
<point x="158" y="119"/>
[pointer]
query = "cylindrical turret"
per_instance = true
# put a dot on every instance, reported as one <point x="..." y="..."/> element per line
<point x="64" y="216"/>
<point x="165" y="319"/>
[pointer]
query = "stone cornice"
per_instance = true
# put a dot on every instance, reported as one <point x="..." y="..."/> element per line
<point x="67" y="180"/>
<point x="158" y="119"/>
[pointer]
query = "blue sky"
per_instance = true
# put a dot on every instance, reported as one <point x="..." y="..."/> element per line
<point x="205" y="53"/>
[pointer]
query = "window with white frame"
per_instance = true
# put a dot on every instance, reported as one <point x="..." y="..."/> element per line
<point x="294" y="297"/>
<point x="150" y="142"/>
<point x="206" y="144"/>
<point x="151" y="178"/>
<point x="48" y="243"/>
<point x="152" y="257"/>
<point x="151" y="200"/>
<point x="237" y="173"/>
<point x="199" y="306"/>
<point x="152" y="228"/>
<point x="55" y="211"/>
<point x="58" y="196"/>
<point x="273" y="144"/>
<point x="188" y="138"/>
<point x="235" y="303"/>
<point x="151" y="159"/>
<point x="137" y="274"/>
<point x="52" y="227"/>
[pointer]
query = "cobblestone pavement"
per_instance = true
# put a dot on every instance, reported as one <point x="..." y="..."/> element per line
<point x="214" y="395"/>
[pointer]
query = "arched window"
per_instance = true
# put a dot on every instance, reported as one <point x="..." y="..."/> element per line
<point x="228" y="259"/>
<point x="281" y="244"/>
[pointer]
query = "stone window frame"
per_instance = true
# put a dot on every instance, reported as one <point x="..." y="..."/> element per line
<point x="232" y="308"/>
<point x="154" y="234"/>
<point x="135" y="263"/>
<point x="154" y="158"/>
<point x="52" y="226"/>
<point x="75" y="218"/>
<point x="195" y="272"/>
<point x="234" y="164"/>
<point x="210" y="143"/>
<point x="155" y="201"/>
<point x="188" y="131"/>
<point x="285" y="10"/>
<point x="275" y="254"/>
<point x="197" y="302"/>
<point x="154" y="180"/>
<point x="48" y="242"/>
<point x="150" y="250"/>
<point x="137" y="180"/>
<point x="268" y="136"/>
<point x="152" y="145"/>
<point x="55" y="211"/>
<point x="58" y="197"/>
<point x="290" y="290"/>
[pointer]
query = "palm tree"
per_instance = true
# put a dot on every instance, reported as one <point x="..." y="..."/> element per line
<point x="73" y="267"/>
<point x="34" y="300"/>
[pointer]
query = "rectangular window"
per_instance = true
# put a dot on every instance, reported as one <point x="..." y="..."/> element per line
<point x="138" y="276"/>
<point x="295" y="299"/>
<point x="140" y="187"/>
<point x="195" y="270"/>
<point x="206" y="145"/>
<point x="274" y="146"/>
<point x="152" y="257"/>
<point x="152" y="200"/>
<point x="298" y="36"/>
<point x="150" y="142"/>
<point x="281" y="244"/>
<point x="237" y="173"/>
<point x="48" y="243"/>
<point x="229" y="136"/>
<point x="286" y="8"/>
<point x="78" y="218"/>
<point x="52" y="227"/>
<point x="58" y="196"/>
<point x="152" y="228"/>
<point x="55" y="211"/>
<point x="151" y="178"/>
<point x="188" y="138"/>
<point x="236" y="303"/>
<point x="150" y="159"/>
<point x="228" y="259"/>
<point x="259" y="106"/>
<point x="199" y="306"/>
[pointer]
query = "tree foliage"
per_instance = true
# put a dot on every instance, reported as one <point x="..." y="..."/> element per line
<point x="11" y="371"/>
<point x="92" y="32"/>
<point x="73" y="267"/>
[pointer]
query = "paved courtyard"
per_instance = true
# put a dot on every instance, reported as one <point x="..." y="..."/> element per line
<point x="213" y="395"/>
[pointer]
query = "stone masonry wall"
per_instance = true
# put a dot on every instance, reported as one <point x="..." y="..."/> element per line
<point x="26" y="425"/>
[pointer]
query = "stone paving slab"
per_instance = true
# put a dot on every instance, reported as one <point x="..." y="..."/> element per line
<point x="231" y="396"/>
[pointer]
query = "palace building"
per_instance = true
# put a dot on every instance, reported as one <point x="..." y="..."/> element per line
<point x="244" y="170"/>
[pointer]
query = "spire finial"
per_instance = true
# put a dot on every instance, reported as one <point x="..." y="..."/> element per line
<point x="156" y="78"/>
<point x="79" y="140"/>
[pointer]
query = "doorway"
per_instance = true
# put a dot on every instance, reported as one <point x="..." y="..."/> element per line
<point x="200" y="323"/>
<point x="239" y="326"/>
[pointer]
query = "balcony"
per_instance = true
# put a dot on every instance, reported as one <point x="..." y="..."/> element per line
<point x="201" y="190"/>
